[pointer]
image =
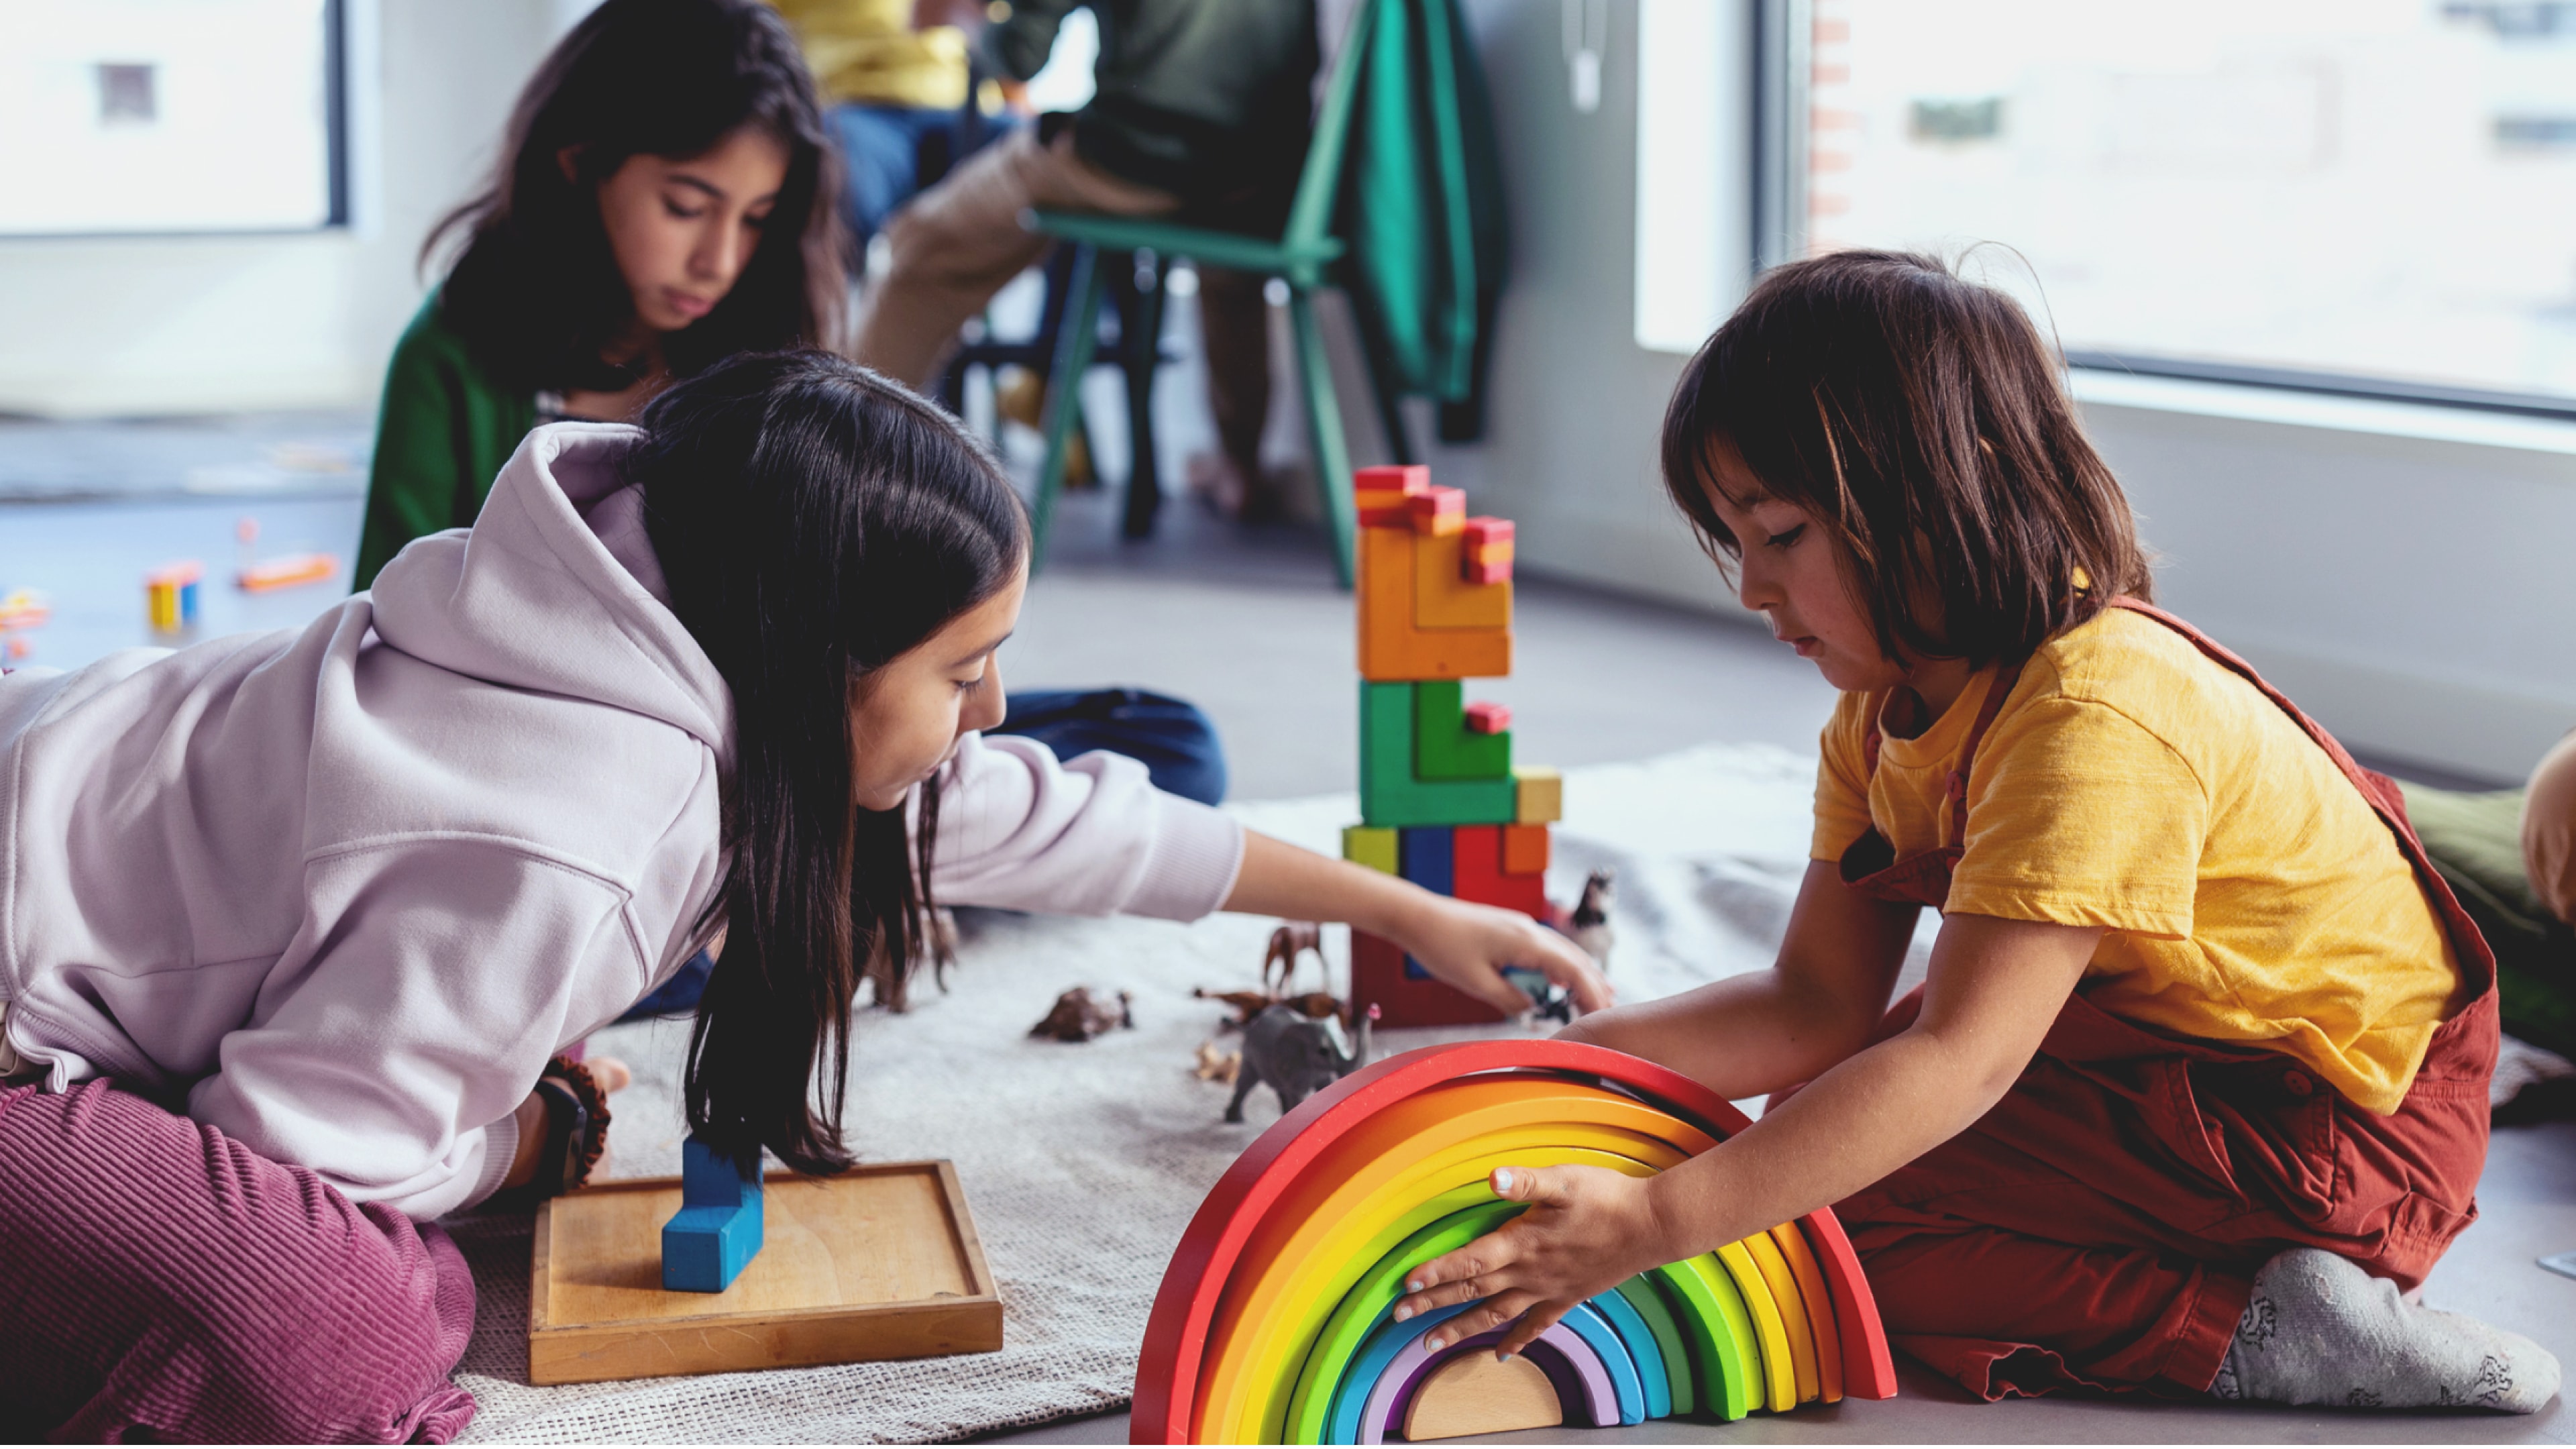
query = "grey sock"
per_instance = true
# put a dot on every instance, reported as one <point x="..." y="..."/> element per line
<point x="2321" y="1331"/>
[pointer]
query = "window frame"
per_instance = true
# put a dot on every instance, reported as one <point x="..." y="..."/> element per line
<point x="337" y="149"/>
<point x="1783" y="45"/>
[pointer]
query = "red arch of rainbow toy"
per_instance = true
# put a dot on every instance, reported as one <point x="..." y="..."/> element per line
<point x="1296" y="1154"/>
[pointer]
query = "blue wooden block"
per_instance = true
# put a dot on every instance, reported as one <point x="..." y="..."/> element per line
<point x="716" y="1232"/>
<point x="1427" y="855"/>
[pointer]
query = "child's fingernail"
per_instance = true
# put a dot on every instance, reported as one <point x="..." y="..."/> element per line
<point x="1412" y="1285"/>
<point x="1432" y="1343"/>
<point x="1503" y="1180"/>
<point x="1402" y="1314"/>
<point x="1503" y="1358"/>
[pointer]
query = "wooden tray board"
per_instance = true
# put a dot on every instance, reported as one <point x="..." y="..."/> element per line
<point x="880" y="1262"/>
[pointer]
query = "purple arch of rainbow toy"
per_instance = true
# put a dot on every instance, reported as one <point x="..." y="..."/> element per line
<point x="1581" y="1379"/>
<point x="1185" y="1306"/>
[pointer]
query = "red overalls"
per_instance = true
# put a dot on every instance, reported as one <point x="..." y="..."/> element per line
<point x="2102" y="1224"/>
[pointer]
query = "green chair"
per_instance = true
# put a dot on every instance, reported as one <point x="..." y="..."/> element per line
<point x="1302" y="256"/>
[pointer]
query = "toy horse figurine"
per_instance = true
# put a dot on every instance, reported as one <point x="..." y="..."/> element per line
<point x="1288" y="947"/>
<point x="1589" y="924"/>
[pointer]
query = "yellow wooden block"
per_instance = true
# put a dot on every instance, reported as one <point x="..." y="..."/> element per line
<point x="1540" y="794"/>
<point x="1475" y="1393"/>
<point x="1372" y="846"/>
<point x="1442" y="597"/>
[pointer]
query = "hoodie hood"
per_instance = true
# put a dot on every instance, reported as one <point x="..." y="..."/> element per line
<point x="561" y="538"/>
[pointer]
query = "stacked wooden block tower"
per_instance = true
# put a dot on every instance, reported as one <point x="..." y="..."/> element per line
<point x="1441" y="802"/>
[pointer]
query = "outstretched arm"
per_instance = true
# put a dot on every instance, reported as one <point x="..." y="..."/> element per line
<point x="1995" y="987"/>
<point x="1766" y="1030"/>
<point x="1463" y="944"/>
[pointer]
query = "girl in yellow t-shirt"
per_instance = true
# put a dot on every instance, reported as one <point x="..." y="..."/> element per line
<point x="2196" y="1086"/>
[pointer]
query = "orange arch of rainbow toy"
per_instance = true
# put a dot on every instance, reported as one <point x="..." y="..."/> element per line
<point x="1290" y="1264"/>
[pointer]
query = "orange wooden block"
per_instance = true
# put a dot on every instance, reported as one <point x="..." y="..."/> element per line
<point x="1390" y="646"/>
<point x="1443" y="598"/>
<point x="1525" y="849"/>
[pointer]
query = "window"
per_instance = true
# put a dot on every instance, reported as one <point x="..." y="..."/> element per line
<point x="170" y="116"/>
<point x="2352" y="195"/>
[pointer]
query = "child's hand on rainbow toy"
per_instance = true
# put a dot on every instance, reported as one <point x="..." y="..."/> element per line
<point x="1587" y="1230"/>
<point x="1468" y="945"/>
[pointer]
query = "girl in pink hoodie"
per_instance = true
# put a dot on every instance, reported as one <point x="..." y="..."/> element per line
<point x="292" y="925"/>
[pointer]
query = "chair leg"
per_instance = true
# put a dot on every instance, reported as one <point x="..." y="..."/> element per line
<point x="1390" y="408"/>
<point x="1140" y="339"/>
<point x="1074" y="344"/>
<point x="1324" y="428"/>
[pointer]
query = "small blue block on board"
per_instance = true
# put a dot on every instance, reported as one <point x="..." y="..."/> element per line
<point x="716" y="1232"/>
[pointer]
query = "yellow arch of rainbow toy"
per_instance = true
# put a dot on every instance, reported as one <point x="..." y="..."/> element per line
<point x="1390" y="1183"/>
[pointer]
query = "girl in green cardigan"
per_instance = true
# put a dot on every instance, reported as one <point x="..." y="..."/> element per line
<point x="665" y="201"/>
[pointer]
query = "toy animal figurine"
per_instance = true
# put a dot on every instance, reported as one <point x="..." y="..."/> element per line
<point x="890" y="983"/>
<point x="1249" y="1004"/>
<point x="1288" y="946"/>
<point x="1246" y="1004"/>
<point x="1079" y="1016"/>
<point x="1296" y="1054"/>
<point x="1589" y="924"/>
<point x="1548" y="1001"/>
<point x="1217" y="1066"/>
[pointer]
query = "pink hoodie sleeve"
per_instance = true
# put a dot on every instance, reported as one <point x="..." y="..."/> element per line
<point x="436" y="977"/>
<point x="1091" y="836"/>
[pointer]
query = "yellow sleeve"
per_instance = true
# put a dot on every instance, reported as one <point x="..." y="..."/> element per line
<point x="2079" y="815"/>
<point x="1842" y="778"/>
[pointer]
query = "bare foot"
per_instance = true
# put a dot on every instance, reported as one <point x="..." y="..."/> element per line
<point x="611" y="1074"/>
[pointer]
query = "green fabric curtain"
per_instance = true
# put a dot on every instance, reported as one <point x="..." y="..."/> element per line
<point x="1421" y="203"/>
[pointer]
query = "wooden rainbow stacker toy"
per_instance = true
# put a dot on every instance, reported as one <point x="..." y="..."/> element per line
<point x="1274" y="1321"/>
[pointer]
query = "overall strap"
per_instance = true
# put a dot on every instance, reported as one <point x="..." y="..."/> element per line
<point x="1957" y="787"/>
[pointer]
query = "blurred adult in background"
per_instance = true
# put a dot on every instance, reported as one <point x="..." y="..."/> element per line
<point x="1201" y="112"/>
<point x="900" y="95"/>
<point x="666" y="198"/>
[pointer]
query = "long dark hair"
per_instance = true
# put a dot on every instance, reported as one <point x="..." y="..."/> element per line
<point x="536" y="292"/>
<point x="814" y="521"/>
<point x="1920" y="417"/>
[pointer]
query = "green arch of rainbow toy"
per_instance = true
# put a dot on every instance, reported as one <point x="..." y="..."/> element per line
<point x="1273" y="1324"/>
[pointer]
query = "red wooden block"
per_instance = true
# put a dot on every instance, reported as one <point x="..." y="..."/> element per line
<point x="1525" y="849"/>
<point x="1380" y="494"/>
<point x="1486" y="532"/>
<point x="1438" y="511"/>
<point x="1167" y="1370"/>
<point x="1494" y="571"/>
<point x="1478" y="874"/>
<point x="1378" y="979"/>
<point x="1488" y="719"/>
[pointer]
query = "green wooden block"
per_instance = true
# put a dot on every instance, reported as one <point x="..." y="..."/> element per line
<point x="1371" y="846"/>
<point x="1443" y="747"/>
<point x="1392" y="794"/>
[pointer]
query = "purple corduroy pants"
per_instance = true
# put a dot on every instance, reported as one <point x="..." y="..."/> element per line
<point x="160" y="1281"/>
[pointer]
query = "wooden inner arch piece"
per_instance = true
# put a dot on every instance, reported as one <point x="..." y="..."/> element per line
<point x="1474" y="1394"/>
